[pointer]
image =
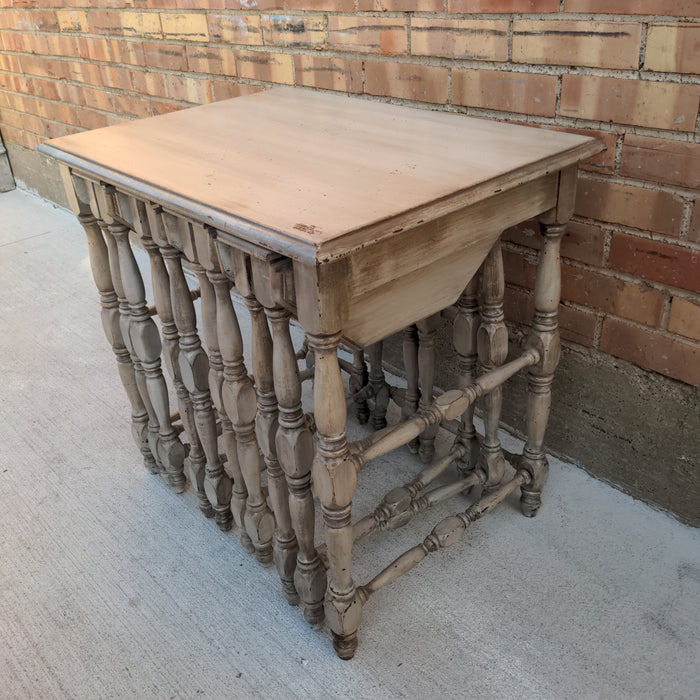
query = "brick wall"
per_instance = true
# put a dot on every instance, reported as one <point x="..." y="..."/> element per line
<point x="624" y="71"/>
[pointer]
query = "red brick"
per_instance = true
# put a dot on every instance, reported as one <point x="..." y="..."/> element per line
<point x="659" y="105"/>
<point x="652" y="350"/>
<point x="168" y="56"/>
<point x="92" y="49"/>
<point x="149" y="83"/>
<point x="672" y="8"/>
<point x="104" y="22"/>
<point x="401" y="5"/>
<point x="661" y="160"/>
<point x="525" y="93"/>
<point x="116" y="77"/>
<point x="407" y="81"/>
<point x="582" y="242"/>
<point x="47" y="68"/>
<point x="289" y="30"/>
<point x="575" y="325"/>
<point x="653" y="260"/>
<point x="254" y="4"/>
<point x="501" y="6"/>
<point x="485" y="40"/>
<point x="685" y="318"/>
<point x="129" y="52"/>
<point x="328" y="73"/>
<point x="131" y="105"/>
<point x="43" y="88"/>
<point x="694" y="232"/>
<point x="386" y="35"/>
<point x="628" y="205"/>
<point x="673" y="48"/>
<point x="235" y="29"/>
<point x="637" y="302"/>
<point x="577" y="43"/>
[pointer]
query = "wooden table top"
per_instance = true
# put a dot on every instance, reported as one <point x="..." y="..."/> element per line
<point x="315" y="175"/>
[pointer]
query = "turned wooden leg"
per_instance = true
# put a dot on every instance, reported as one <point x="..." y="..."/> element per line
<point x="194" y="369"/>
<point x="240" y="403"/>
<point x="239" y="493"/>
<point x="544" y="337"/>
<point x="285" y="547"/>
<point x="335" y="478"/>
<point x="377" y="382"/>
<point x="296" y="450"/>
<point x="99" y="263"/>
<point x="466" y="325"/>
<point x="146" y="342"/>
<point x="171" y="350"/>
<point x="426" y="378"/>
<point x="410" y="363"/>
<point x="358" y="380"/>
<point x="149" y="446"/>
<point x="492" y="346"/>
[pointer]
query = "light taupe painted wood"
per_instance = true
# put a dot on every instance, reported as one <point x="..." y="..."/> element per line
<point x="492" y="347"/>
<point x="465" y="328"/>
<point x="318" y="171"/>
<point x="410" y="364"/>
<point x="427" y="329"/>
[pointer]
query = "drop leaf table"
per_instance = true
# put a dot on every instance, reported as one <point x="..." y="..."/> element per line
<point x="357" y="218"/>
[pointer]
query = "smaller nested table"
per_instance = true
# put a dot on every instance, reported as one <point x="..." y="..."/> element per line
<point x="359" y="219"/>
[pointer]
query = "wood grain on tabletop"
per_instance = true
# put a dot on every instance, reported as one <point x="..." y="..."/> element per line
<point x="314" y="165"/>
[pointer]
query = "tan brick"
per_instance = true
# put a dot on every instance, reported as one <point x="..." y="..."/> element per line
<point x="132" y="105"/>
<point x="260" y="5"/>
<point x="333" y="5"/>
<point x="525" y="93"/>
<point x="269" y="67"/>
<point x="72" y="20"/>
<point x="661" y="160"/>
<point x="653" y="260"/>
<point x="386" y="35"/>
<point x="225" y="89"/>
<point x="328" y="73"/>
<point x="582" y="242"/>
<point x="485" y="40"/>
<point x="168" y="56"/>
<point x="501" y="6"/>
<point x="146" y="24"/>
<point x="288" y="30"/>
<point x="407" y="81"/>
<point x="638" y="207"/>
<point x="685" y="318"/>
<point x="644" y="103"/>
<point x="672" y="8"/>
<point x="190" y="26"/>
<point x="189" y="89"/>
<point x="401" y="5"/>
<point x="116" y="77"/>
<point x="235" y="29"/>
<point x="652" y="350"/>
<point x="673" y="48"/>
<point x="578" y="43"/>
<point x="211" y="59"/>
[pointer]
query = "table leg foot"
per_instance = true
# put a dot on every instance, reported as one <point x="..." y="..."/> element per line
<point x="345" y="645"/>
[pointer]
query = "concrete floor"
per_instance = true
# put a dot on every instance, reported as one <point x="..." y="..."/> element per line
<point x="111" y="585"/>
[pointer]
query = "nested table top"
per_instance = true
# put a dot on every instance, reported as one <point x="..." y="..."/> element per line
<point x="315" y="175"/>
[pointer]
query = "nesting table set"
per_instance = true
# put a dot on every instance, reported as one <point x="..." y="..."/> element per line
<point x="358" y="219"/>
